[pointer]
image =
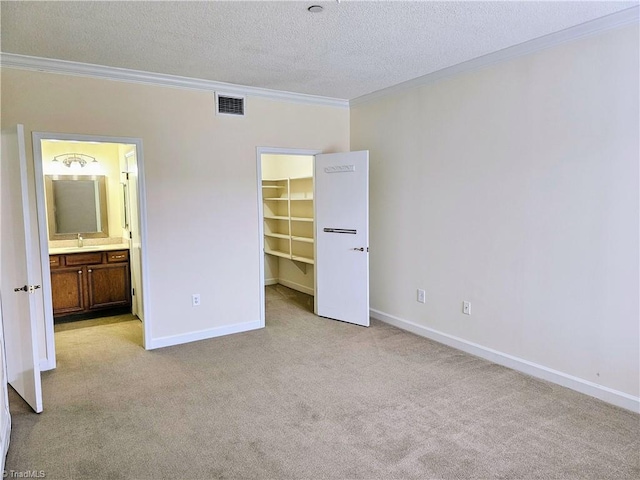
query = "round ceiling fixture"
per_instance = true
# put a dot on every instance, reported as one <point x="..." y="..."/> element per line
<point x="315" y="8"/>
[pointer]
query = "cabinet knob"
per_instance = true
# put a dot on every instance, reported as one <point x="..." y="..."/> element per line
<point x="89" y="270"/>
<point x="79" y="272"/>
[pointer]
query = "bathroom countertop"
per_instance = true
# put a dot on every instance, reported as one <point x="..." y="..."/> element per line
<point x="89" y="248"/>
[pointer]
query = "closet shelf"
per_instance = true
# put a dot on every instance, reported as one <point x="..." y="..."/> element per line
<point x="284" y="199"/>
<point x="302" y="239"/>
<point x="306" y="177"/>
<point x="297" y="258"/>
<point x="289" y="201"/>
<point x="277" y="235"/>
<point x="302" y="259"/>
<point x="277" y="253"/>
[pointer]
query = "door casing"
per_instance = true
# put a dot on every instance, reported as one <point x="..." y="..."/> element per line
<point x="49" y="362"/>
<point x="259" y="152"/>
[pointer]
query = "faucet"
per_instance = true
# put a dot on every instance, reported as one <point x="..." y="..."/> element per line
<point x="80" y="244"/>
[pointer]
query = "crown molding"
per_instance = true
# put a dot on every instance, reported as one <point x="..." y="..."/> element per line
<point x="51" y="65"/>
<point x="587" y="29"/>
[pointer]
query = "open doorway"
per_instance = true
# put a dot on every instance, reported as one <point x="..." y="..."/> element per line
<point x="286" y="224"/>
<point x="314" y="229"/>
<point x="91" y="219"/>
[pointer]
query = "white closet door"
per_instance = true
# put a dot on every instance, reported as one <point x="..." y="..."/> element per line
<point x="342" y="236"/>
<point x="17" y="279"/>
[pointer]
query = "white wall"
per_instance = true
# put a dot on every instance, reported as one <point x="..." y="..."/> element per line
<point x="201" y="184"/>
<point x="108" y="164"/>
<point x="286" y="166"/>
<point x="516" y="188"/>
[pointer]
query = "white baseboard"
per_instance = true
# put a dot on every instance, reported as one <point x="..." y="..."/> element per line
<point x="202" y="335"/>
<point x="601" y="392"/>
<point x="296" y="286"/>
<point x="271" y="281"/>
<point x="6" y="436"/>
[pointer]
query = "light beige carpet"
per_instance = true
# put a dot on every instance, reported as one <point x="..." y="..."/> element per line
<point x="308" y="398"/>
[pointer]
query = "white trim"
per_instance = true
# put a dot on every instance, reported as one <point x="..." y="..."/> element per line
<point x="42" y="227"/>
<point x="6" y="437"/>
<point x="49" y="362"/>
<point x="51" y="65"/>
<point x="172" y="340"/>
<point x="271" y="281"/>
<point x="5" y="414"/>
<point x="601" y="392"/>
<point x="296" y="286"/>
<point x="593" y="27"/>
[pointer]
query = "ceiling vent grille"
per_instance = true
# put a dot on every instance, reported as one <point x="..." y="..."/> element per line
<point x="229" y="105"/>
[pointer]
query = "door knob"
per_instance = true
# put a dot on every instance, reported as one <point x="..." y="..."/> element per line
<point x="360" y="249"/>
<point x="27" y="288"/>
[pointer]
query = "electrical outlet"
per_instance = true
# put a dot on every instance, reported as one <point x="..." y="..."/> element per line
<point x="422" y="296"/>
<point x="466" y="308"/>
<point x="195" y="300"/>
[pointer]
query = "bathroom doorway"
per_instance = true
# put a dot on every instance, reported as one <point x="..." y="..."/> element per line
<point x="91" y="219"/>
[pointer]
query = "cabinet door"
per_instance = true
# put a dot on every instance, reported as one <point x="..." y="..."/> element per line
<point x="108" y="285"/>
<point x="67" y="290"/>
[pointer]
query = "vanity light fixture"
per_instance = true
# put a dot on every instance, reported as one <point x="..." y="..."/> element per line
<point x="81" y="158"/>
<point x="315" y="8"/>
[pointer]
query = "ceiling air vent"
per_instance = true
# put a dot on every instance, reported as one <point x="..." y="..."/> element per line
<point x="229" y="105"/>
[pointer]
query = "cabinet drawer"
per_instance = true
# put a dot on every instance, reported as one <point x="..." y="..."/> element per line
<point x="90" y="258"/>
<point x="54" y="260"/>
<point x="118" y="256"/>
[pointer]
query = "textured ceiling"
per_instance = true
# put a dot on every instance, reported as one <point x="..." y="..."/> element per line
<point x="350" y="49"/>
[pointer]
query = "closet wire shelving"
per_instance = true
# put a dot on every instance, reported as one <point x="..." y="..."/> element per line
<point x="288" y="217"/>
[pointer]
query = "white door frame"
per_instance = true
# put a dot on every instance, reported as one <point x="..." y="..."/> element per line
<point x="259" y="152"/>
<point x="50" y="362"/>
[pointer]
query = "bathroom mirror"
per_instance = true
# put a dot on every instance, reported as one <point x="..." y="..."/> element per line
<point x="76" y="204"/>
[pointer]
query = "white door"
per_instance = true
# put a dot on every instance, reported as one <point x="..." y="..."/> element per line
<point x="135" y="243"/>
<point x="17" y="288"/>
<point x="342" y="236"/>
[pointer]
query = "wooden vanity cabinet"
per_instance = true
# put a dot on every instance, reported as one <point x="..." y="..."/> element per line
<point x="87" y="282"/>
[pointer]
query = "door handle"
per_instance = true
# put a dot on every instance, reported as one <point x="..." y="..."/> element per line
<point x="27" y="288"/>
<point x="351" y="231"/>
<point x="360" y="249"/>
